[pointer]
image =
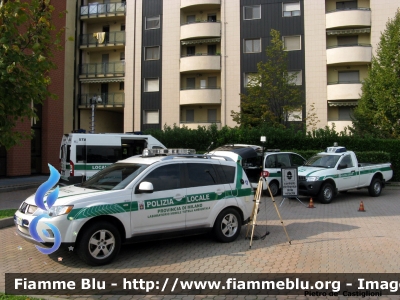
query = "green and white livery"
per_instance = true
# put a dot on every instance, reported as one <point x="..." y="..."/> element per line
<point x="146" y="197"/>
<point x="338" y="170"/>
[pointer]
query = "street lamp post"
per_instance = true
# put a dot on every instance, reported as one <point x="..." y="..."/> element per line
<point x="93" y="102"/>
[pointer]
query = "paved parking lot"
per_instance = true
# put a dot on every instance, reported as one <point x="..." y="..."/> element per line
<point x="333" y="238"/>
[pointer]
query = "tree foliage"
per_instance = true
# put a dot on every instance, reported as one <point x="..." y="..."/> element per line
<point x="271" y="95"/>
<point x="27" y="40"/>
<point x="378" y="111"/>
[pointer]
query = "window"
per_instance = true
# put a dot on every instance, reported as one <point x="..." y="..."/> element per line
<point x="347" y="161"/>
<point x="191" y="19"/>
<point x="248" y="77"/>
<point x="153" y="22"/>
<point x="212" y="115"/>
<point x="270" y="161"/>
<point x="212" y="18"/>
<point x="151" y="85"/>
<point x="211" y="49"/>
<point x="349" y="76"/>
<point x="122" y="56"/>
<point x="291" y="9"/>
<point x="297" y="80"/>
<point x="123" y="27"/>
<point x="190" y="83"/>
<point x="226" y="174"/>
<point x="203" y="84"/>
<point x="212" y="82"/>
<point x="151" y="117"/>
<point x="121" y="86"/>
<point x="345" y="113"/>
<point x="190" y="115"/>
<point x="152" y="53"/>
<point x="165" y="178"/>
<point x="283" y="160"/>
<point x="190" y="50"/>
<point x="297" y="160"/>
<point x="251" y="12"/>
<point x="295" y="115"/>
<point x="252" y="46"/>
<point x="201" y="175"/>
<point x="292" y="43"/>
<point x="99" y="154"/>
<point x="346" y="5"/>
<point x="349" y="40"/>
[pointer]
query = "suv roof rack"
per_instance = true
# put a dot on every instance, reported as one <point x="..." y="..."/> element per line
<point x="202" y="156"/>
<point x="273" y="150"/>
<point x="163" y="152"/>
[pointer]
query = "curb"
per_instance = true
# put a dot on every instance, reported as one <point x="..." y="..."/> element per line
<point x="19" y="187"/>
<point x="6" y="222"/>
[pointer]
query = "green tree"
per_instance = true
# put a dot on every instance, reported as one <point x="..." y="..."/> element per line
<point x="378" y="110"/>
<point x="271" y="95"/>
<point x="27" y="40"/>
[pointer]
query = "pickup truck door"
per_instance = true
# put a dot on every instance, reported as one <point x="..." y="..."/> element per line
<point x="348" y="175"/>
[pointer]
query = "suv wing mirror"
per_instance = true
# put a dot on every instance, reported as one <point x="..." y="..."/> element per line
<point x="145" y="187"/>
<point x="342" y="166"/>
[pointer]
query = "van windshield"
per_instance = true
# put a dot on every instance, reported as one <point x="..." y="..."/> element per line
<point x="322" y="161"/>
<point x="114" y="177"/>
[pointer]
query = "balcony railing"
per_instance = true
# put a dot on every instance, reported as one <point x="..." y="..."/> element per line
<point x="96" y="9"/>
<point x="349" y="45"/>
<point x="198" y="87"/>
<point x="101" y="69"/>
<point x="347" y="9"/>
<point x="344" y="82"/>
<point x="200" y="121"/>
<point x="102" y="38"/>
<point x="200" y="21"/>
<point x="201" y="54"/>
<point x="108" y="99"/>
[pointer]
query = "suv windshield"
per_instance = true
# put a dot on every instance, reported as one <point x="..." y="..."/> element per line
<point x="323" y="161"/>
<point x="114" y="177"/>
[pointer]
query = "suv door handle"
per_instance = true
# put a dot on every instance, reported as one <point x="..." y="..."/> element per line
<point x="178" y="197"/>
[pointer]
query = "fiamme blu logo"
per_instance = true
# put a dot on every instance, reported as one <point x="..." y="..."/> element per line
<point x="46" y="206"/>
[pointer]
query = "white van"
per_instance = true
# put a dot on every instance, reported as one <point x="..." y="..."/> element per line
<point x="84" y="154"/>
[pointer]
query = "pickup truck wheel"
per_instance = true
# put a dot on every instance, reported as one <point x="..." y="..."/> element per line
<point x="227" y="225"/>
<point x="274" y="187"/>
<point x="375" y="188"/>
<point x="99" y="244"/>
<point x="326" y="193"/>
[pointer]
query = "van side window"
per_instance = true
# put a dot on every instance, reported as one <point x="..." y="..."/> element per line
<point x="226" y="174"/>
<point x="201" y="175"/>
<point x="81" y="154"/>
<point x="165" y="178"/>
<point x="283" y="160"/>
<point x="103" y="154"/>
<point x="270" y="162"/>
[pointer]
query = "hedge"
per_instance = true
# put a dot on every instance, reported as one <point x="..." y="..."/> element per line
<point x="201" y="138"/>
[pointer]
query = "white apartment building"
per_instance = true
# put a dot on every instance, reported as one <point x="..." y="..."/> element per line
<point x="185" y="62"/>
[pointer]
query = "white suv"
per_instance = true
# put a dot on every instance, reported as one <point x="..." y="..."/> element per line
<point x="145" y="197"/>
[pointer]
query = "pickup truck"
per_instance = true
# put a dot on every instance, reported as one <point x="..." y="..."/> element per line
<point x="338" y="170"/>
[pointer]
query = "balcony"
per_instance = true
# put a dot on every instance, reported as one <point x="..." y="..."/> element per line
<point x="108" y="100"/>
<point x="344" y="90"/>
<point x="187" y="3"/>
<point x="195" y="124"/>
<point x="206" y="95"/>
<point x="349" y="54"/>
<point x="112" y="69"/>
<point x="95" y="10"/>
<point x="357" y="17"/>
<point x="102" y="39"/>
<point x="200" y="30"/>
<point x="200" y="62"/>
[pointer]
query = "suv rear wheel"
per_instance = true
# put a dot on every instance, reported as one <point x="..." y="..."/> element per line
<point x="99" y="244"/>
<point x="227" y="225"/>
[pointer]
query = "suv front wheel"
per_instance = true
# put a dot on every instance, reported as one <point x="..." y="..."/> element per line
<point x="227" y="225"/>
<point x="99" y="244"/>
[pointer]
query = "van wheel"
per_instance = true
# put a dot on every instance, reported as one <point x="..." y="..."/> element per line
<point x="227" y="225"/>
<point x="375" y="188"/>
<point x="99" y="244"/>
<point x="274" y="187"/>
<point x="326" y="193"/>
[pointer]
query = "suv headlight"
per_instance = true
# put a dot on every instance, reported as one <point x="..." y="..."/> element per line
<point x="55" y="211"/>
<point x="312" y="178"/>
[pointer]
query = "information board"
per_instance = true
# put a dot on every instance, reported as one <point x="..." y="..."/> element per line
<point x="289" y="182"/>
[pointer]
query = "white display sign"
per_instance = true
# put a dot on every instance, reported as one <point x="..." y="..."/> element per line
<point x="289" y="182"/>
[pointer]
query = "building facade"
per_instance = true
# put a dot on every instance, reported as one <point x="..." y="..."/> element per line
<point x="149" y="63"/>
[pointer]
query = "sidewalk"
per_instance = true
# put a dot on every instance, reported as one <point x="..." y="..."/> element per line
<point x="20" y="183"/>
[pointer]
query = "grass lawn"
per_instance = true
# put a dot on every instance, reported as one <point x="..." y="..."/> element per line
<point x="13" y="297"/>
<point x="5" y="213"/>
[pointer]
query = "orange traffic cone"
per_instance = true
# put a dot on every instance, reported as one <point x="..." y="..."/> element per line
<point x="311" y="204"/>
<point x="361" y="207"/>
